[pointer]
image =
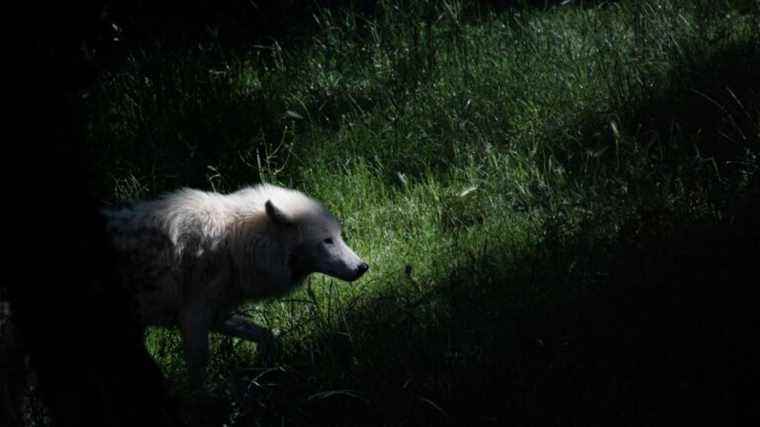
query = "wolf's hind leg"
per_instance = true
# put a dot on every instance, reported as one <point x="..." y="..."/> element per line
<point x="240" y="327"/>
<point x="194" y="326"/>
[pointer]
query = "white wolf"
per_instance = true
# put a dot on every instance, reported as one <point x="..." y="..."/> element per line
<point x="192" y="257"/>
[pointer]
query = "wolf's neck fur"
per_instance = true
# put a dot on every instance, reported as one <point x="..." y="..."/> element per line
<point x="260" y="258"/>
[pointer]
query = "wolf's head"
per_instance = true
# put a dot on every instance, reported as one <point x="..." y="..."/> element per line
<point x="319" y="246"/>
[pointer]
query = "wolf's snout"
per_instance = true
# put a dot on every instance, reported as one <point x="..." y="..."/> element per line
<point x="363" y="267"/>
<point x="359" y="271"/>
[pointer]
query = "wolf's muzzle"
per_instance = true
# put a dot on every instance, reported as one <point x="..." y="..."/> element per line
<point x="360" y="270"/>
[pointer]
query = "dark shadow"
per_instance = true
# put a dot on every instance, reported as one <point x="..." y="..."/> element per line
<point x="712" y="99"/>
<point x="704" y="111"/>
<point x="239" y="23"/>
<point x="69" y="314"/>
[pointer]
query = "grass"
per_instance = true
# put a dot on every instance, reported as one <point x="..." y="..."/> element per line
<point x="551" y="202"/>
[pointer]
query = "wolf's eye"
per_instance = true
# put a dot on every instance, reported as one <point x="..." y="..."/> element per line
<point x="328" y="241"/>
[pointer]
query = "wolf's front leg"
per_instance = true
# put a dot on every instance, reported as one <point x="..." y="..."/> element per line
<point x="241" y="327"/>
<point x="194" y="324"/>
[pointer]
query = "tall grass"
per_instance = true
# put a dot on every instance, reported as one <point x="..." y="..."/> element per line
<point x="497" y="170"/>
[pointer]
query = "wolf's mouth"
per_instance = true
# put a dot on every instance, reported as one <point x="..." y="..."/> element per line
<point x="351" y="275"/>
<point x="361" y="269"/>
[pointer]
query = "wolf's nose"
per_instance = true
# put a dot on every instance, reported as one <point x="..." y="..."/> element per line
<point x="363" y="267"/>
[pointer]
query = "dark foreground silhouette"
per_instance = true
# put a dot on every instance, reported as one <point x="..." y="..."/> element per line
<point x="68" y="314"/>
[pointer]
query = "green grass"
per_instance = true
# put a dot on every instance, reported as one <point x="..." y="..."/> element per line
<point x="493" y="169"/>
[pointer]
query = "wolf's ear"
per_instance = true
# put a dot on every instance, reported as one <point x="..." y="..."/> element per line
<point x="277" y="215"/>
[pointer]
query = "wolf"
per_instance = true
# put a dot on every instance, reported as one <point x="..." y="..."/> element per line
<point x="192" y="257"/>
